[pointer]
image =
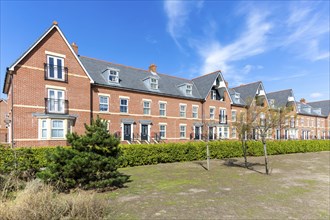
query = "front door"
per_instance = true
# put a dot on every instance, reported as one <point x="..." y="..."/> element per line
<point x="127" y="132"/>
<point x="144" y="132"/>
<point x="197" y="133"/>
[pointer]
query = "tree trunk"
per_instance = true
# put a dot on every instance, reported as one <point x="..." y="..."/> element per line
<point x="265" y="151"/>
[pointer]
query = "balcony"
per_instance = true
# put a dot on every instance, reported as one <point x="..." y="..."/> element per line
<point x="57" y="73"/>
<point x="56" y="106"/>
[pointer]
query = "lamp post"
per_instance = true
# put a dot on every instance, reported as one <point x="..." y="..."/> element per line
<point x="263" y="126"/>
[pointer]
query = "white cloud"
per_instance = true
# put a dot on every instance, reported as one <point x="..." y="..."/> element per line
<point x="177" y="13"/>
<point x="251" y="42"/>
<point x="316" y="95"/>
<point x="306" y="28"/>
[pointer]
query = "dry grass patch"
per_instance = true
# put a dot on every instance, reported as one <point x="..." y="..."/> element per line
<point x="39" y="201"/>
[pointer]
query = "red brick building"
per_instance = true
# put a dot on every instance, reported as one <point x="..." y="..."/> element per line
<point x="52" y="91"/>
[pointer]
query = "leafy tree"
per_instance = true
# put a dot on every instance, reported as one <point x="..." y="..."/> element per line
<point x="91" y="162"/>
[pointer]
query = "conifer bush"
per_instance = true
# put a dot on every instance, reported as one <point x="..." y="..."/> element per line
<point x="90" y="163"/>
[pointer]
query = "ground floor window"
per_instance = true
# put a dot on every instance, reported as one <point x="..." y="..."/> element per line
<point x="182" y="131"/>
<point x="278" y="134"/>
<point x="162" y="131"/>
<point x="233" y="132"/>
<point x="54" y="128"/>
<point x="222" y="132"/>
<point x="286" y="134"/>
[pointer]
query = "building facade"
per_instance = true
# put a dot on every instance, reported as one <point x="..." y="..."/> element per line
<point x="51" y="91"/>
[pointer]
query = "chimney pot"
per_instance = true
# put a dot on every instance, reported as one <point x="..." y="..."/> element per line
<point x="75" y="47"/>
<point x="55" y="23"/>
<point x="303" y="100"/>
<point x="153" y="68"/>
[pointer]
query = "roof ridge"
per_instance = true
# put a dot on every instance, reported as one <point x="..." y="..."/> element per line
<point x="280" y="91"/>
<point x="133" y="67"/>
<point x="206" y="74"/>
<point x="248" y="84"/>
<point x="327" y="100"/>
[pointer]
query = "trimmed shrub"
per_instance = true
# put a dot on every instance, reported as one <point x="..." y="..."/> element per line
<point x="143" y="154"/>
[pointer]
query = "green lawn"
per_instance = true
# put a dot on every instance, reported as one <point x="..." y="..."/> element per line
<point x="297" y="188"/>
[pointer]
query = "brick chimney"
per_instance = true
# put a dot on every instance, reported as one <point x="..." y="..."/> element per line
<point x="75" y="47"/>
<point x="153" y="68"/>
<point x="302" y="100"/>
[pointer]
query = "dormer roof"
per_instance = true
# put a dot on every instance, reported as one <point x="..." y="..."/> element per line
<point x="281" y="98"/>
<point x="249" y="91"/>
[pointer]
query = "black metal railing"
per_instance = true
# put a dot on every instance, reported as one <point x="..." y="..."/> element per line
<point x="56" y="106"/>
<point x="222" y="119"/>
<point x="58" y="73"/>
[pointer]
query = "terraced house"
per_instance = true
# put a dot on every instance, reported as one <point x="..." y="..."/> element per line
<point x="52" y="91"/>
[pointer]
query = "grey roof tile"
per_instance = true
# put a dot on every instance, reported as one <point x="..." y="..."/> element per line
<point x="132" y="79"/>
<point x="280" y="97"/>
<point x="324" y="105"/>
<point x="205" y="83"/>
<point x="247" y="91"/>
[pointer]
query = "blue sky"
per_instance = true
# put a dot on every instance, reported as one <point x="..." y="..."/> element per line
<point x="285" y="44"/>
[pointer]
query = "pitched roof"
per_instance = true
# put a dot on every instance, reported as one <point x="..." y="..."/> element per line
<point x="204" y="83"/>
<point x="324" y="105"/>
<point x="133" y="79"/>
<point x="247" y="91"/>
<point x="280" y="97"/>
<point x="239" y="102"/>
<point x="306" y="109"/>
<point x="53" y="26"/>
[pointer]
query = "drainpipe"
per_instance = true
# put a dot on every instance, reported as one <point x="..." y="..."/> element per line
<point x="91" y="103"/>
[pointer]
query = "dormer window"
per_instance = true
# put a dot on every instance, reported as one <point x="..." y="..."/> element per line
<point x="113" y="76"/>
<point x="272" y="103"/>
<point x="237" y="97"/>
<point x="153" y="83"/>
<point x="188" y="89"/>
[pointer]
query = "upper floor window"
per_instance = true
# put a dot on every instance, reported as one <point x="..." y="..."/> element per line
<point x="146" y="108"/>
<point x="223" y="116"/>
<point x="113" y="76"/>
<point x="195" y="111"/>
<point x="233" y="116"/>
<point x="104" y="103"/>
<point x="237" y="97"/>
<point x="212" y="110"/>
<point x="162" y="109"/>
<point x="124" y="105"/>
<point x="183" y="110"/>
<point x="213" y="95"/>
<point x="55" y="103"/>
<point x="153" y="83"/>
<point x="189" y="89"/>
<point x="302" y="122"/>
<point x="54" y="69"/>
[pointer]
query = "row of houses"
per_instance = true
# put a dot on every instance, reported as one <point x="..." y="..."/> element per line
<point x="51" y="90"/>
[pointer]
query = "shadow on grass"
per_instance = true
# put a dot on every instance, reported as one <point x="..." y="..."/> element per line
<point x="249" y="166"/>
<point x="201" y="164"/>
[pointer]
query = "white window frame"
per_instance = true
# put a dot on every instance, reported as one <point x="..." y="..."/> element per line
<point x="120" y="105"/>
<point x="162" y="131"/>
<point x="195" y="111"/>
<point x="233" y="132"/>
<point x="233" y="113"/>
<point x="146" y="107"/>
<point x="162" y="109"/>
<point x="43" y="126"/>
<point x="213" y="95"/>
<point x="212" y="113"/>
<point x="57" y="128"/>
<point x="222" y="117"/>
<point x="183" y="112"/>
<point x="55" y="68"/>
<point x="153" y="83"/>
<point x="189" y="89"/>
<point x="183" y="132"/>
<point x="57" y="101"/>
<point x="113" y="76"/>
<point x="104" y="103"/>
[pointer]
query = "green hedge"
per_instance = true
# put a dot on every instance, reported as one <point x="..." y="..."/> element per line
<point x="134" y="155"/>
